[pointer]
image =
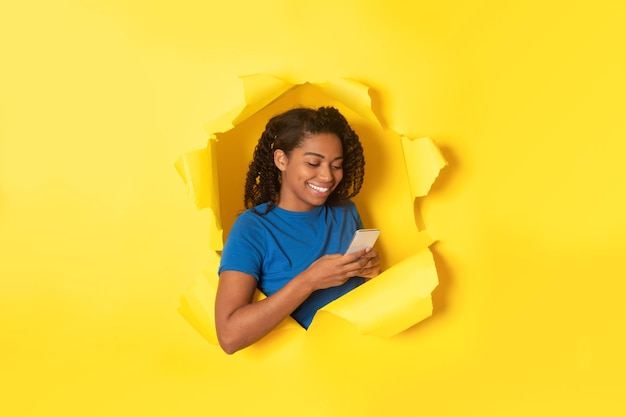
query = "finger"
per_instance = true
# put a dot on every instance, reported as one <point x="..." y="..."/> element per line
<point x="370" y="273"/>
<point x="357" y="266"/>
<point x="351" y="257"/>
<point x="373" y="262"/>
<point x="372" y="259"/>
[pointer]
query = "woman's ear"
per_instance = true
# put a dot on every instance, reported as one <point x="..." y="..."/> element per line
<point x="280" y="159"/>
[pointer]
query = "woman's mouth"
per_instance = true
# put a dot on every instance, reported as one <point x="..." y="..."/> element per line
<point x="318" y="188"/>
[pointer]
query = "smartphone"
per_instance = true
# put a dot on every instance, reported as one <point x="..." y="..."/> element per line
<point x="363" y="238"/>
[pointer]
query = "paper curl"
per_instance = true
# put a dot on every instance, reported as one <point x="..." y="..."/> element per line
<point x="384" y="306"/>
<point x="198" y="169"/>
<point x="401" y="296"/>
<point x="424" y="154"/>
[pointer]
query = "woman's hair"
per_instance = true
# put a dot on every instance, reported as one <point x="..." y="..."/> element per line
<point x="287" y="131"/>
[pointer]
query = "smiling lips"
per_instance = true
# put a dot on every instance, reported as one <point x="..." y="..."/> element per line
<point x="318" y="188"/>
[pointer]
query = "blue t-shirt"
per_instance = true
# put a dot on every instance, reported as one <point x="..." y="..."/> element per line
<point x="277" y="246"/>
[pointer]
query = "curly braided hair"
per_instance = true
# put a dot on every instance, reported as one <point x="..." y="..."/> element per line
<point x="287" y="131"/>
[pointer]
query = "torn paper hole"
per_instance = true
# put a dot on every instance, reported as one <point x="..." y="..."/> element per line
<point x="398" y="169"/>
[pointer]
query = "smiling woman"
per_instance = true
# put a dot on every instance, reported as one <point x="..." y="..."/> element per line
<point x="291" y="241"/>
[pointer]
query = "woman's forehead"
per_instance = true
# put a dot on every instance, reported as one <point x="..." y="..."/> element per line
<point x="326" y="144"/>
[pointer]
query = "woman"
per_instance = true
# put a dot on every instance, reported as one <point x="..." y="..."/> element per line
<point x="298" y="224"/>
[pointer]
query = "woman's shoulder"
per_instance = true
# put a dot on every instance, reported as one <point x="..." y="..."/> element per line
<point x="248" y="225"/>
<point x="252" y="216"/>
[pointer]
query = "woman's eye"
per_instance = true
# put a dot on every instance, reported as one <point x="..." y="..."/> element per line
<point x="337" y="167"/>
<point x="311" y="164"/>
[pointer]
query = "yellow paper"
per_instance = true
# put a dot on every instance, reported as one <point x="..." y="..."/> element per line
<point x="197" y="306"/>
<point x="260" y="90"/>
<point x="199" y="171"/>
<point x="423" y="162"/>
<point x="393" y="301"/>
<point x="353" y="94"/>
<point x="98" y="238"/>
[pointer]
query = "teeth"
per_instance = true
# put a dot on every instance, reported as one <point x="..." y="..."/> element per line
<point x="319" y="189"/>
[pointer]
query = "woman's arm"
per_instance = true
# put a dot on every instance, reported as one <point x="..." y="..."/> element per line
<point x="240" y="322"/>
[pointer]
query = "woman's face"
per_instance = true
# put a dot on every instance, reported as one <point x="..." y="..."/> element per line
<point x="310" y="173"/>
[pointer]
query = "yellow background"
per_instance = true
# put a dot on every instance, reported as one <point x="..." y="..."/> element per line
<point x="98" y="238"/>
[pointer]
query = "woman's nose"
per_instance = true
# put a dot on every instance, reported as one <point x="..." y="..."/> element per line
<point x="325" y="173"/>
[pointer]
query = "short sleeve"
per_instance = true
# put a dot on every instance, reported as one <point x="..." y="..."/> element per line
<point x="244" y="247"/>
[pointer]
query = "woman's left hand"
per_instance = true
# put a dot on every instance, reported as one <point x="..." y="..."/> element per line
<point x="372" y="267"/>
